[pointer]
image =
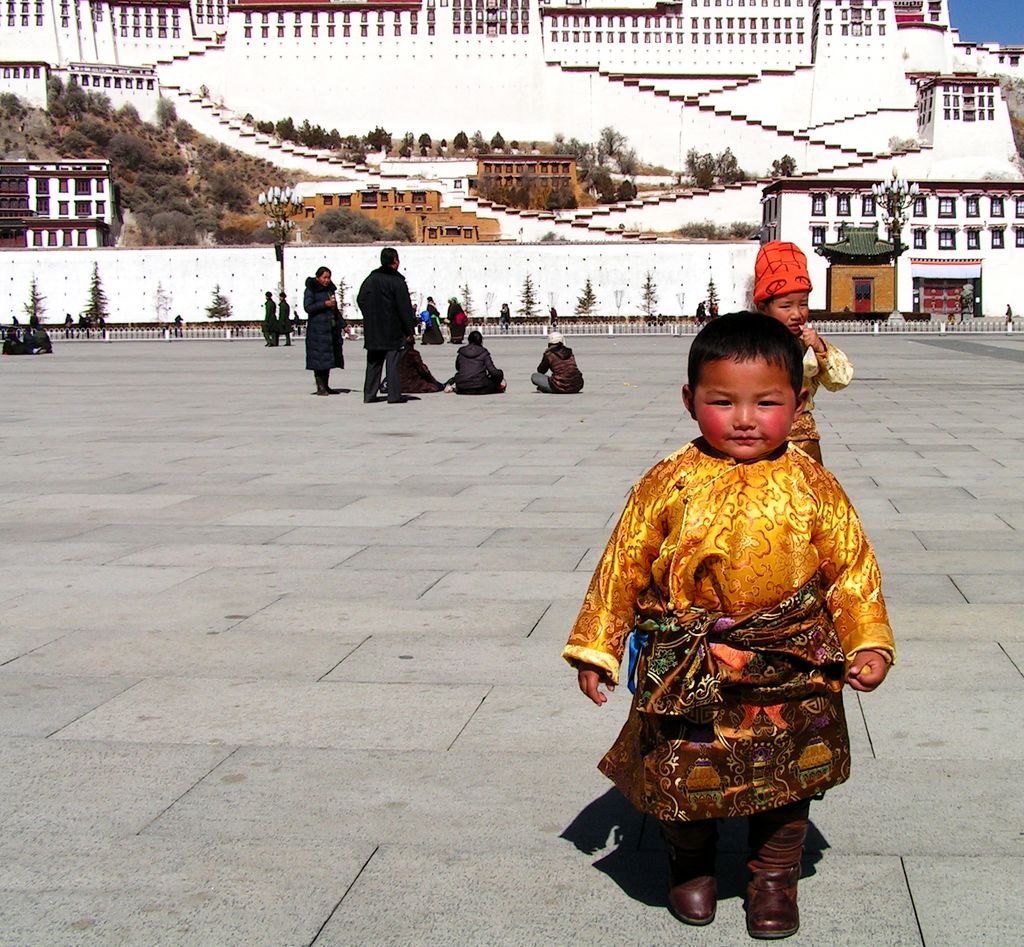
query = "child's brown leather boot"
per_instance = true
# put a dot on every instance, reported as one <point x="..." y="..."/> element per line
<point x="772" y="912"/>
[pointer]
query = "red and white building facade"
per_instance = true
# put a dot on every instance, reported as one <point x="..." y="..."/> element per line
<point x="957" y="232"/>
<point x="56" y="204"/>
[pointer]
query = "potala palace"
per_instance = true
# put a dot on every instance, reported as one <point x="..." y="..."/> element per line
<point x="850" y="89"/>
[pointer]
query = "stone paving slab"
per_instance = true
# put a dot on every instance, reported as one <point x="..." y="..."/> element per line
<point x="39" y="705"/>
<point x="66" y="787"/>
<point x="159" y="891"/>
<point x="967" y="901"/>
<point x="245" y="712"/>
<point x="960" y="723"/>
<point x="456" y="798"/>
<point x="234" y="651"/>
<point x="458" y="899"/>
<point x="348" y="617"/>
<point x="961" y="622"/>
<point x="278" y="669"/>
<point x="161" y="610"/>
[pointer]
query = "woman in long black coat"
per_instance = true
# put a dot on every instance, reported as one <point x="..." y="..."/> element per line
<point x="324" y="327"/>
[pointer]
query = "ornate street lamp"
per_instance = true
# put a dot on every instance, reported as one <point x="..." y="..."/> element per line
<point x="892" y="198"/>
<point x="280" y="206"/>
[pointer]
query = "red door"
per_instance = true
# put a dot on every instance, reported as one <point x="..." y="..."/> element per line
<point x="863" y="299"/>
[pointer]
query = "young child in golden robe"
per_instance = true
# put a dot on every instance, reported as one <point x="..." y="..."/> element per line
<point x="753" y="596"/>
<point x="782" y="288"/>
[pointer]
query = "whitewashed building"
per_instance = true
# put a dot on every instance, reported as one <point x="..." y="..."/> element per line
<point x="51" y="204"/>
<point x="957" y="232"/>
<point x="828" y="82"/>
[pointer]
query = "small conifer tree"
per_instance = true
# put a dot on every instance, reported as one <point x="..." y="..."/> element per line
<point x="587" y="302"/>
<point x="220" y="306"/>
<point x="162" y="303"/>
<point x="528" y="299"/>
<point x="96" y="309"/>
<point x="341" y="295"/>
<point x="712" y="296"/>
<point x="649" y="296"/>
<point x="467" y="299"/>
<point x="35" y="307"/>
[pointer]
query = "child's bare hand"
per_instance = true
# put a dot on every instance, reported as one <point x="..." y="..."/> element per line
<point x="590" y="679"/>
<point x="812" y="340"/>
<point x="867" y="671"/>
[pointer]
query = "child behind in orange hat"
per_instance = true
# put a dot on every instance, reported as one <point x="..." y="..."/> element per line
<point x="782" y="288"/>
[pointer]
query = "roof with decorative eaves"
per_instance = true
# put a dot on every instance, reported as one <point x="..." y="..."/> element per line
<point x="859" y="244"/>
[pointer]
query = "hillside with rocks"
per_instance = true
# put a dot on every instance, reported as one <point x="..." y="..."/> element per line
<point x="173" y="186"/>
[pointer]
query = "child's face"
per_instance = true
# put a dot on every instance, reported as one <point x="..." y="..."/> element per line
<point x="791" y="310"/>
<point x="744" y="409"/>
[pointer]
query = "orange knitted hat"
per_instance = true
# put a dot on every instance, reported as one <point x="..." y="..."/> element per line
<point x="780" y="268"/>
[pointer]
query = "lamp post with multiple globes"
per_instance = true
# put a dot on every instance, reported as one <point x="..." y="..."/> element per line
<point x="280" y="205"/>
<point x="892" y="199"/>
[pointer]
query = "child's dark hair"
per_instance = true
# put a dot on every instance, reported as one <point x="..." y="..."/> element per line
<point x="745" y="337"/>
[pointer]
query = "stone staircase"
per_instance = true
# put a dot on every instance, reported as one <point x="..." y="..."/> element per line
<point x="639" y="219"/>
<point x="710" y="112"/>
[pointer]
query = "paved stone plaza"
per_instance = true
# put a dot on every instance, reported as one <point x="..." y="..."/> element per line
<point x="283" y="670"/>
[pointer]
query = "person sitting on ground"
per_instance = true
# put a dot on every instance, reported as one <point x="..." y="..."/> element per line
<point x="475" y="373"/>
<point x="36" y="339"/>
<point x="416" y="377"/>
<point x="12" y="344"/>
<point x="566" y="378"/>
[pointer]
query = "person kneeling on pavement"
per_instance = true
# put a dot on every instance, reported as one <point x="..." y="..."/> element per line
<point x="566" y="378"/>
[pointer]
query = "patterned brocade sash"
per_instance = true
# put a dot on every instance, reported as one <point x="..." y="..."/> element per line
<point x="678" y="672"/>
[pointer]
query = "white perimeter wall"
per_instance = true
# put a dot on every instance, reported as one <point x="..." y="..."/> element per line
<point x="559" y="271"/>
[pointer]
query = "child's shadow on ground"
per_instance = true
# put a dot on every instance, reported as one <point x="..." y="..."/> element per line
<point x="637" y="861"/>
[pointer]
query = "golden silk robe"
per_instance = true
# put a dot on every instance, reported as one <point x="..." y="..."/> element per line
<point x="831" y="371"/>
<point x="707" y="542"/>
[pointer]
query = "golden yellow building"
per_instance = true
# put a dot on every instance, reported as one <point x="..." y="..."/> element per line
<point x="431" y="223"/>
<point x="505" y="170"/>
<point x="860" y="279"/>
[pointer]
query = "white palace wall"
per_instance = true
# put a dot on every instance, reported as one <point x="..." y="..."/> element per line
<point x="496" y="273"/>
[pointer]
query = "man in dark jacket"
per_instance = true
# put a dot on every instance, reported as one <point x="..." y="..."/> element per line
<point x="284" y="321"/>
<point x="566" y="378"/>
<point x="388" y="322"/>
<point x="269" y="320"/>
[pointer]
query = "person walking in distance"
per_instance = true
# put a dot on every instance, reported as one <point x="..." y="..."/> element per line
<point x="284" y="322"/>
<point x="269" y="321"/>
<point x="389" y="321"/>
